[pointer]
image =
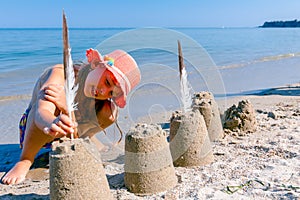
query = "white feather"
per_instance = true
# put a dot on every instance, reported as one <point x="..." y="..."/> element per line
<point x="185" y="89"/>
<point x="70" y="87"/>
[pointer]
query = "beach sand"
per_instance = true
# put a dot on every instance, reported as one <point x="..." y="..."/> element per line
<point x="260" y="165"/>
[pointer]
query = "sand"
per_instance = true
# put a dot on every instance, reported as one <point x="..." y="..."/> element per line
<point x="260" y="165"/>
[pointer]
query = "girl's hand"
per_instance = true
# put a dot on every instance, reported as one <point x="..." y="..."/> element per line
<point x="56" y="94"/>
<point x="61" y="126"/>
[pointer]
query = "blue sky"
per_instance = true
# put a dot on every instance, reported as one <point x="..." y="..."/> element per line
<point x="145" y="13"/>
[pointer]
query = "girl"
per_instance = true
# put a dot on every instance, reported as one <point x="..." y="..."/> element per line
<point x="103" y="83"/>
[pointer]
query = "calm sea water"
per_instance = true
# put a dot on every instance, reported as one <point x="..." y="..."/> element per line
<point x="246" y="58"/>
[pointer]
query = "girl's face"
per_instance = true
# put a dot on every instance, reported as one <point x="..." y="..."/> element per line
<point x="101" y="84"/>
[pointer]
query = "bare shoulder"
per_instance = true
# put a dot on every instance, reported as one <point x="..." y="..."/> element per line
<point x="56" y="75"/>
<point x="58" y="68"/>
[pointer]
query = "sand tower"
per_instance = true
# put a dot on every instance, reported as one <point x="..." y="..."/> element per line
<point x="240" y="118"/>
<point x="148" y="162"/>
<point x="76" y="171"/>
<point x="208" y="107"/>
<point x="189" y="141"/>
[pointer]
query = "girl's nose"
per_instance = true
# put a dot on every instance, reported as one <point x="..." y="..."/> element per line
<point x="104" y="91"/>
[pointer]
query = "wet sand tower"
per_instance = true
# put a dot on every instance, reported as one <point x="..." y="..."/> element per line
<point x="148" y="162"/>
<point x="189" y="141"/>
<point x="208" y="107"/>
<point x="76" y="171"/>
<point x="240" y="118"/>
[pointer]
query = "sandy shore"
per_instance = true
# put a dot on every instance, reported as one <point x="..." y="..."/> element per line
<point x="260" y="165"/>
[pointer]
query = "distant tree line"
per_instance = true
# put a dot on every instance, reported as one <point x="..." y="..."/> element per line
<point x="281" y="24"/>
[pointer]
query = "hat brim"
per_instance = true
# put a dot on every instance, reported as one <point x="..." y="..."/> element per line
<point x="120" y="100"/>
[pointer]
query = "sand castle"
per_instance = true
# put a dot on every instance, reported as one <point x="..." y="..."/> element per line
<point x="148" y="162"/>
<point x="240" y="118"/>
<point x="76" y="171"/>
<point x="189" y="141"/>
<point x="206" y="104"/>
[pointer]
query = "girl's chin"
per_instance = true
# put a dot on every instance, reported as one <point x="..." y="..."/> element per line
<point x="99" y="98"/>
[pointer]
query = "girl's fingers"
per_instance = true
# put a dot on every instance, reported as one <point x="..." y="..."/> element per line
<point x="54" y="131"/>
<point x="66" y="120"/>
<point x="55" y="87"/>
<point x="50" y="132"/>
<point x="61" y="126"/>
<point x="50" y="98"/>
<point x="64" y="123"/>
<point x="53" y="90"/>
<point x="50" y="95"/>
<point x="65" y="127"/>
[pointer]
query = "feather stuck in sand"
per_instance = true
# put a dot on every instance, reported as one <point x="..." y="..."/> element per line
<point x="70" y="87"/>
<point x="185" y="88"/>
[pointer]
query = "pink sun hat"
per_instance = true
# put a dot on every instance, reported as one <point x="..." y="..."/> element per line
<point x="123" y="67"/>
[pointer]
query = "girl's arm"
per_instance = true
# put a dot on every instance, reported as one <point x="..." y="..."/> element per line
<point x="48" y="117"/>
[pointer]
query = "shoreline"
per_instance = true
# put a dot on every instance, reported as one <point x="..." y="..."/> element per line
<point x="261" y="165"/>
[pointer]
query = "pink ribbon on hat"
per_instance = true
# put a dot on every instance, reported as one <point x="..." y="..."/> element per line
<point x="93" y="55"/>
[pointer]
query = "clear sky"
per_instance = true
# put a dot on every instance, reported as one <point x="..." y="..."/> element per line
<point x="145" y="13"/>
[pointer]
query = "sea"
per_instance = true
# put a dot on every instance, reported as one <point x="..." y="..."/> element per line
<point x="224" y="61"/>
